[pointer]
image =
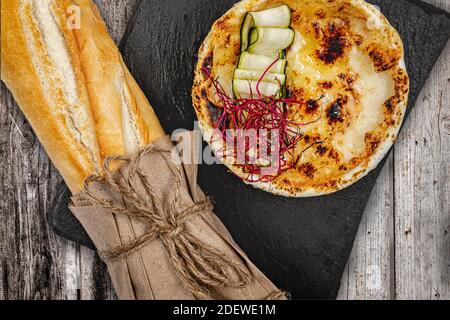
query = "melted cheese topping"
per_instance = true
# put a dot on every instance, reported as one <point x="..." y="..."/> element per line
<point x="374" y="89"/>
<point x="345" y="65"/>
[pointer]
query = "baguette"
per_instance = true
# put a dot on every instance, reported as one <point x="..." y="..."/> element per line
<point x="73" y="86"/>
<point x="120" y="103"/>
<point x="40" y="65"/>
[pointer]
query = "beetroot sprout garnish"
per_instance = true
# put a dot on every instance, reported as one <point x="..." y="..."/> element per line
<point x="260" y="113"/>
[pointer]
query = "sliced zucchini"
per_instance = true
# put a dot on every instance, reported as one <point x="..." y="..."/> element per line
<point x="279" y="17"/>
<point x="268" y="41"/>
<point x="247" y="25"/>
<point x="249" y="61"/>
<point x="253" y="36"/>
<point x="240" y="74"/>
<point x="273" y="54"/>
<point x="264" y="37"/>
<point x="246" y="88"/>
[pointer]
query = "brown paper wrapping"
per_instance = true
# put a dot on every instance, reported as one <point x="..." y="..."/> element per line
<point x="149" y="272"/>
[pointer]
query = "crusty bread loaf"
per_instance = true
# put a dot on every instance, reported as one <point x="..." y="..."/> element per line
<point x="72" y="86"/>
<point x="44" y="75"/>
<point x="120" y="100"/>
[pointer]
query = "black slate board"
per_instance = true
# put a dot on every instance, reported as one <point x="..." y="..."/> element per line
<point x="302" y="244"/>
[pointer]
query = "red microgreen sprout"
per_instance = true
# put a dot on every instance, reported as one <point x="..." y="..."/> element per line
<point x="264" y="112"/>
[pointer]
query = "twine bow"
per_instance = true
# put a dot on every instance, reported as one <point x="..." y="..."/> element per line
<point x="199" y="265"/>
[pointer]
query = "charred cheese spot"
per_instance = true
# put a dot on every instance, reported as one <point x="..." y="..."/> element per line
<point x="348" y="84"/>
<point x="336" y="111"/>
<point x="296" y="94"/>
<point x="307" y="138"/>
<point x="334" y="43"/>
<point x="321" y="150"/>
<point x="307" y="169"/>
<point x="312" y="106"/>
<point x="348" y="79"/>
<point x="224" y="23"/>
<point x="207" y="64"/>
<point x="237" y="48"/>
<point x="295" y="17"/>
<point x="326" y="84"/>
<point x="333" y="154"/>
<point x="310" y="139"/>
<point x="214" y="111"/>
<point x="331" y="184"/>
<point x="401" y="90"/>
<point x="358" y="39"/>
<point x="372" y="143"/>
<point x="228" y="39"/>
<point x="390" y="104"/>
<point x="384" y="59"/>
<point x="401" y="84"/>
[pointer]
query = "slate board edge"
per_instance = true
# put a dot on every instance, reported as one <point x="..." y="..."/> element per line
<point x="130" y="25"/>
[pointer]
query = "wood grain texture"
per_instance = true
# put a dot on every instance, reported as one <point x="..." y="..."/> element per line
<point x="409" y="213"/>
<point x="95" y="281"/>
<point x="368" y="272"/>
<point x="422" y="171"/>
<point x="402" y="249"/>
<point x="34" y="263"/>
<point x="116" y="14"/>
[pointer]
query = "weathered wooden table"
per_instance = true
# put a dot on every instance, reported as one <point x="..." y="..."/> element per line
<point x="402" y="249"/>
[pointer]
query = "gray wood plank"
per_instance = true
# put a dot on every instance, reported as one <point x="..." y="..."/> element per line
<point x="368" y="272"/>
<point x="422" y="192"/>
<point x="95" y="281"/>
<point x="116" y="15"/>
<point x="34" y="263"/>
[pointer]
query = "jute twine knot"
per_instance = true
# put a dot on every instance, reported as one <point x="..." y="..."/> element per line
<point x="199" y="265"/>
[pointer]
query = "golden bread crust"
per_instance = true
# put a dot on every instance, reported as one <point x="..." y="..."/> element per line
<point x="72" y="159"/>
<point x="73" y="86"/>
